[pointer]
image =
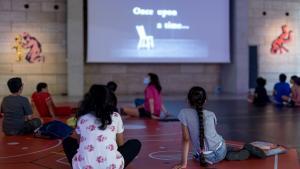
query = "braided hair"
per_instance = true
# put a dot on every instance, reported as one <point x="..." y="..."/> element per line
<point x="197" y="98"/>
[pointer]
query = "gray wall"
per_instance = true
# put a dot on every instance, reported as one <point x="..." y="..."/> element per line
<point x="49" y="26"/>
<point x="175" y="78"/>
<point x="75" y="53"/>
<point x="263" y="30"/>
<point x="46" y="24"/>
<point x="235" y="76"/>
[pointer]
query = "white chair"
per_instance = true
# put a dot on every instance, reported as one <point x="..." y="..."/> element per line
<point x="145" y="41"/>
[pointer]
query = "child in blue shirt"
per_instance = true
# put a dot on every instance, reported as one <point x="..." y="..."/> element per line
<point x="281" y="90"/>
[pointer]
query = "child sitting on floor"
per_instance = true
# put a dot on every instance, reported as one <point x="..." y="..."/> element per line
<point x="152" y="105"/>
<point x="281" y="90"/>
<point x="294" y="99"/>
<point x="260" y="97"/>
<point x="17" y="111"/>
<point x="100" y="134"/>
<point x="43" y="103"/>
<point x="198" y="125"/>
<point x="112" y="86"/>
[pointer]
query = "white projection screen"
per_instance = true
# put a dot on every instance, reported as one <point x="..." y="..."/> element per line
<point x="158" y="31"/>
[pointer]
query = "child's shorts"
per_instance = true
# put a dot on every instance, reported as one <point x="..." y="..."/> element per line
<point x="144" y="113"/>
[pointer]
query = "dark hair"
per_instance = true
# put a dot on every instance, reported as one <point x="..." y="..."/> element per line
<point x="261" y="82"/>
<point x="154" y="80"/>
<point x="282" y="77"/>
<point x="112" y="86"/>
<point x="14" y="84"/>
<point x="197" y="98"/>
<point x="40" y="86"/>
<point x="99" y="101"/>
<point x="297" y="81"/>
<point x="294" y="77"/>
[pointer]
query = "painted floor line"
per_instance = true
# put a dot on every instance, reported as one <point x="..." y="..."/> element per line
<point x="35" y="152"/>
<point x="276" y="162"/>
<point x="60" y="161"/>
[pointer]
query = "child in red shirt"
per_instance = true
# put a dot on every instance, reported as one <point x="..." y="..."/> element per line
<point x="43" y="103"/>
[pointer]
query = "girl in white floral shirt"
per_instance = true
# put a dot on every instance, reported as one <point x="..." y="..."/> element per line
<point x="100" y="132"/>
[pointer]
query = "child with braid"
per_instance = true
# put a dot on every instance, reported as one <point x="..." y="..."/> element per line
<point x="198" y="125"/>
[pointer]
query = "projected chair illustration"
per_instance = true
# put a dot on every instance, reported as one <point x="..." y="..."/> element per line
<point x="145" y="41"/>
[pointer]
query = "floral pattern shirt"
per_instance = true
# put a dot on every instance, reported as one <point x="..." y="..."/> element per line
<point x="98" y="149"/>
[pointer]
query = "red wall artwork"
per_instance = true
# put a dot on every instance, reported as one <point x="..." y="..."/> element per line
<point x="285" y="37"/>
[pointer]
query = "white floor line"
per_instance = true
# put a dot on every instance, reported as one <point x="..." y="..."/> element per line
<point x="173" y="156"/>
<point x="35" y="152"/>
<point x="62" y="162"/>
<point x="276" y="162"/>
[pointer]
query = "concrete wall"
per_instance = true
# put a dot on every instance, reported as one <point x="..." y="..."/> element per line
<point x="264" y="29"/>
<point x="175" y="78"/>
<point x="75" y="53"/>
<point x="45" y="23"/>
<point x="70" y="74"/>
<point x="235" y="76"/>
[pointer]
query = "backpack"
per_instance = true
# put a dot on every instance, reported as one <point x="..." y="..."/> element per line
<point x="53" y="130"/>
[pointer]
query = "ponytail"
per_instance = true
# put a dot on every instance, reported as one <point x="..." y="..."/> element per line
<point x="199" y="110"/>
<point x="197" y="98"/>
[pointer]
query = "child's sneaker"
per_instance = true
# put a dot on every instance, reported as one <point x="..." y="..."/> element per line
<point x="255" y="151"/>
<point x="238" y="155"/>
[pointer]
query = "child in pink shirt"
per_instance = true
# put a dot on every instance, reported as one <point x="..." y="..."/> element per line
<point x="296" y="92"/>
<point x="153" y="105"/>
<point x="294" y="98"/>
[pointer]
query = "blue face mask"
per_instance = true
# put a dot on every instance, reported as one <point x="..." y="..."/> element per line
<point x="146" y="80"/>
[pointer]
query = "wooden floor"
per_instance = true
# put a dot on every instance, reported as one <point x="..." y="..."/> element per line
<point x="238" y="122"/>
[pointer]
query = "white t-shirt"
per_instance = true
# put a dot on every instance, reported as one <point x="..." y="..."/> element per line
<point x="98" y="149"/>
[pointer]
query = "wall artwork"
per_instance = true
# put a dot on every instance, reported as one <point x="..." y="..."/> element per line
<point x="285" y="37"/>
<point x="27" y="45"/>
<point x="19" y="48"/>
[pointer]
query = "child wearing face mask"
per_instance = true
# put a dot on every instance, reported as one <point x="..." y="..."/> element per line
<point x="152" y="105"/>
<point x="139" y="102"/>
